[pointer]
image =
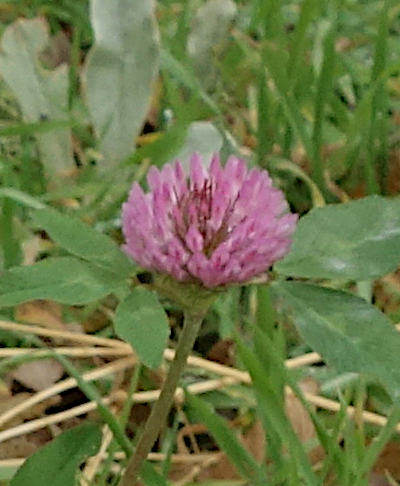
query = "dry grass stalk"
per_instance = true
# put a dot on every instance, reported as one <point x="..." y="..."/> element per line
<point x="93" y="463"/>
<point x="139" y="397"/>
<point x="229" y="376"/>
<point x="66" y="335"/>
<point x="196" y="388"/>
<point x="119" y="365"/>
<point x="196" y="470"/>
<point x="64" y="385"/>
<point x="43" y="422"/>
<point x="74" y="352"/>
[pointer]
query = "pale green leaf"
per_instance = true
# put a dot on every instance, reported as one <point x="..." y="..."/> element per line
<point x="41" y="94"/>
<point x="120" y="71"/>
<point x="210" y="27"/>
<point x="203" y="138"/>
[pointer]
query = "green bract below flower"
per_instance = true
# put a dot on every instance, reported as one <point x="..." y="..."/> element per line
<point x="215" y="226"/>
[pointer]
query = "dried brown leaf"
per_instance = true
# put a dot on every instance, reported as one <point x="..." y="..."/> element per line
<point x="41" y="312"/>
<point x="8" y="402"/>
<point x="38" y="375"/>
<point x="389" y="460"/>
<point x="95" y="322"/>
<point x="31" y="249"/>
<point x="298" y="415"/>
<point x="378" y="480"/>
<point x="25" y="445"/>
<point x="16" y="447"/>
<point x="223" y="351"/>
<point x="57" y="52"/>
<point x="253" y="440"/>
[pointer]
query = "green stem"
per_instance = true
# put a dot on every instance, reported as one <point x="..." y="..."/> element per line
<point x="163" y="405"/>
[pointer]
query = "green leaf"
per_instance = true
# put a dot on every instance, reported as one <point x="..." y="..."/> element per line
<point x="228" y="442"/>
<point x="226" y="307"/>
<point x="358" y="240"/>
<point x="349" y="333"/>
<point x="65" y="279"/>
<point x="57" y="463"/>
<point x="83" y="241"/>
<point x="141" y="321"/>
<point x="120" y="71"/>
<point x="40" y="93"/>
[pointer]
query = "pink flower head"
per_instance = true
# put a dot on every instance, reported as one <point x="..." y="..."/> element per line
<point x="219" y="225"/>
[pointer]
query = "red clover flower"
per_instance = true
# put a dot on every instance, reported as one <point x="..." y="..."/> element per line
<point x="218" y="226"/>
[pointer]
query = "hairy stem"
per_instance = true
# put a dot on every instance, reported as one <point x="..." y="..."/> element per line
<point x="163" y="405"/>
